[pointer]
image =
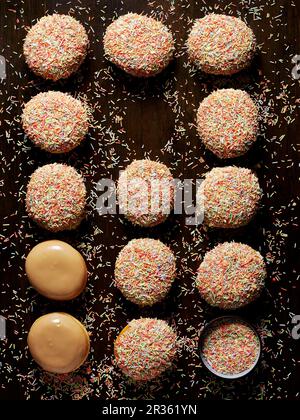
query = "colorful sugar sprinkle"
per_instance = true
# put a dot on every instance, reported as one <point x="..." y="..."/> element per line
<point x="55" y="122"/>
<point x="56" y="46"/>
<point x="231" y="275"/>
<point x="220" y="44"/>
<point x="230" y="197"/>
<point x="227" y="122"/>
<point x="56" y="197"/>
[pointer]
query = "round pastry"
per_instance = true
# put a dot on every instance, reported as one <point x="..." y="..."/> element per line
<point x="55" y="46"/>
<point x="55" y="122"/>
<point x="220" y="44"/>
<point x="145" y="348"/>
<point x="58" y="342"/>
<point x="146" y="193"/>
<point x="56" y="197"/>
<point x="139" y="45"/>
<point x="230" y="197"/>
<point x="56" y="270"/>
<point x="227" y="122"/>
<point x="145" y="270"/>
<point x="231" y="276"/>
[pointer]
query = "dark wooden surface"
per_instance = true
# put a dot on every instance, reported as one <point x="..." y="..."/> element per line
<point x="157" y="122"/>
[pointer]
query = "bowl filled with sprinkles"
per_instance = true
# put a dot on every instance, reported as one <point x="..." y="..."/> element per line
<point x="230" y="347"/>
